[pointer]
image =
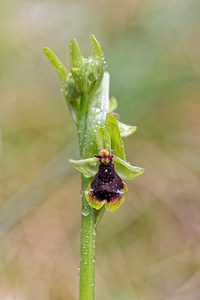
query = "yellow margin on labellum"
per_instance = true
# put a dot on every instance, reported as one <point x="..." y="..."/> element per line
<point x="113" y="205"/>
<point x="93" y="202"/>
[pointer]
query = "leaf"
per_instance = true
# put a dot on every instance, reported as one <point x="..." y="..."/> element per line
<point x="116" y="140"/>
<point x="125" y="170"/>
<point x="112" y="104"/>
<point x="88" y="167"/>
<point x="103" y="139"/>
<point x="96" y="116"/>
<point x="126" y="130"/>
<point x="56" y="63"/>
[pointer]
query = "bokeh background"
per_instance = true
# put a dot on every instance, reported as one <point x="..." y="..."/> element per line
<point x="150" y="248"/>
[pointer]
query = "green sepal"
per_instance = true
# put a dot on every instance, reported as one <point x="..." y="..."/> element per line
<point x="116" y="140"/>
<point x="77" y="66"/>
<point x="74" y="109"/>
<point x="71" y="91"/>
<point x="56" y="63"/>
<point x="97" y="52"/>
<point x="88" y="167"/>
<point x="96" y="48"/>
<point x="92" y="67"/>
<point x="125" y="170"/>
<point x="112" y="104"/>
<point x="103" y="139"/>
<point x="126" y="130"/>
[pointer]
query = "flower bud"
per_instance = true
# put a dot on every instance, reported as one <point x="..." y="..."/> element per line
<point x="71" y="90"/>
<point x="92" y="68"/>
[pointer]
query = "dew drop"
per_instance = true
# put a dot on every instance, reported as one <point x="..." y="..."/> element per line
<point x="78" y="271"/>
<point x="93" y="164"/>
<point x="85" y="211"/>
<point x="92" y="283"/>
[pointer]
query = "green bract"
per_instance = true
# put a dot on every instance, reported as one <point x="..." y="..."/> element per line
<point x="103" y="139"/>
<point x="117" y="145"/>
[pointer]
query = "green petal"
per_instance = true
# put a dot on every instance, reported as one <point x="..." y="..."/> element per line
<point x="112" y="104"/>
<point x="125" y="170"/>
<point x="88" y="167"/>
<point x="56" y="63"/>
<point x="103" y="139"/>
<point x="126" y="130"/>
<point x="113" y="205"/>
<point x="116" y="140"/>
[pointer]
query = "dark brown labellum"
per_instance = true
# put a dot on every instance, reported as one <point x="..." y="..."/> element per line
<point x="106" y="184"/>
<point x="106" y="187"/>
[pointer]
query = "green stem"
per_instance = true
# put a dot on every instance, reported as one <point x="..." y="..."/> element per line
<point x="93" y="112"/>
<point x="88" y="238"/>
<point x="88" y="227"/>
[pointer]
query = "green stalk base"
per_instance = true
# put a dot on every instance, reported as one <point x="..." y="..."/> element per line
<point x="88" y="240"/>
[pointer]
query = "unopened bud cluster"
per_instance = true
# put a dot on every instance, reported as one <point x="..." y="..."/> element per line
<point x="81" y="78"/>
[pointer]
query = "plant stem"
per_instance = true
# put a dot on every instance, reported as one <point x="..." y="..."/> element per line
<point x="92" y="115"/>
<point x="88" y="238"/>
<point x="88" y="227"/>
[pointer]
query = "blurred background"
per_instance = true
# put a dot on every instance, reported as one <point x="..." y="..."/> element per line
<point x="150" y="248"/>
